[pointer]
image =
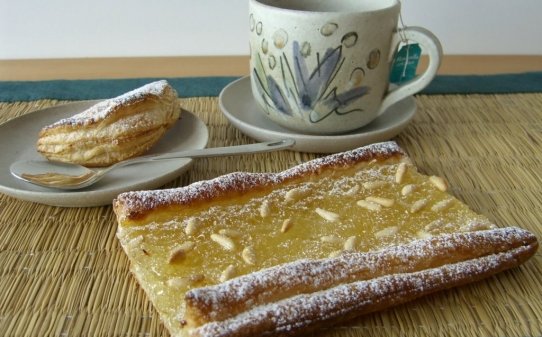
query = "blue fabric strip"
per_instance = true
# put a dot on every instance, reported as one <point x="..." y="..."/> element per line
<point x="485" y="84"/>
<point x="11" y="91"/>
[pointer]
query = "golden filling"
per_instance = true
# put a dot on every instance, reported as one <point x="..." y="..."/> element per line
<point x="361" y="208"/>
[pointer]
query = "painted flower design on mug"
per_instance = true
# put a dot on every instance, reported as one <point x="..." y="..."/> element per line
<point x="301" y="89"/>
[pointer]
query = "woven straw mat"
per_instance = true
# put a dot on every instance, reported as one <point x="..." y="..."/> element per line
<point x="63" y="273"/>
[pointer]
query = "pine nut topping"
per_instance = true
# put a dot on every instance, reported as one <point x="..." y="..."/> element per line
<point x="369" y="205"/>
<point x="352" y="191"/>
<point x="286" y="225"/>
<point x="181" y="282"/>
<point x="476" y="226"/>
<point x="135" y="242"/>
<point x="232" y="233"/>
<point x="418" y="205"/>
<point x="192" y="226"/>
<point x="407" y="189"/>
<point x="295" y="194"/>
<point x="434" y="225"/>
<point x="439" y="183"/>
<point x="350" y="243"/>
<point x="224" y="241"/>
<point x="423" y="234"/>
<point x="228" y="273"/>
<point x="335" y="253"/>
<point x="371" y="185"/>
<point x="388" y="231"/>
<point x="331" y="239"/>
<point x="264" y="209"/>
<point x="441" y="205"/>
<point x="179" y="253"/>
<point x="381" y="201"/>
<point x="400" y="173"/>
<point x="177" y="282"/>
<point x="327" y="215"/>
<point x="249" y="255"/>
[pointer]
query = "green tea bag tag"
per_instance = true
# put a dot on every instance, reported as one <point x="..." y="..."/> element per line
<point x="405" y="63"/>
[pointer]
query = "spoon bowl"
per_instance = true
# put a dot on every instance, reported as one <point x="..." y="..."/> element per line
<point x="66" y="176"/>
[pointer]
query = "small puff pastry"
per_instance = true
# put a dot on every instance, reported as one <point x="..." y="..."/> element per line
<point x="112" y="130"/>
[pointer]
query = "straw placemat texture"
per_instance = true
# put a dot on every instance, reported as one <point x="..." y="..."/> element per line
<point x="63" y="273"/>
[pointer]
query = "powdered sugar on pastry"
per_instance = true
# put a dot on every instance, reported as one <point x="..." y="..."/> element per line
<point x="225" y="300"/>
<point x="105" y="108"/>
<point x="309" y="311"/>
<point x="140" y="202"/>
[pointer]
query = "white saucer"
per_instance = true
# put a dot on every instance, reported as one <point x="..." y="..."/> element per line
<point x="18" y="142"/>
<point x="240" y="108"/>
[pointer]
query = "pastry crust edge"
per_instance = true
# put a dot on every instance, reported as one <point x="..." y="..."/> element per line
<point x="136" y="205"/>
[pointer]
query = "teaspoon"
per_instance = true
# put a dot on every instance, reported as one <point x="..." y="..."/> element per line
<point x="66" y="176"/>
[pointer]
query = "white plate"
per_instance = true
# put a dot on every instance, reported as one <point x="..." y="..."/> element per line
<point x="18" y="142"/>
<point x="240" y="108"/>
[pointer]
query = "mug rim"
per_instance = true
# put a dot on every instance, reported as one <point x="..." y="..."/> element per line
<point x="267" y="5"/>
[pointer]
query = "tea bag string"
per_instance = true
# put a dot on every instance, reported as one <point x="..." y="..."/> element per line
<point x="402" y="28"/>
<point x="404" y="39"/>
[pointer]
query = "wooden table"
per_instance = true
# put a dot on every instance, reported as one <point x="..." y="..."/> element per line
<point x="90" y="68"/>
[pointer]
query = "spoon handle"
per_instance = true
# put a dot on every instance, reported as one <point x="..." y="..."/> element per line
<point x="214" y="152"/>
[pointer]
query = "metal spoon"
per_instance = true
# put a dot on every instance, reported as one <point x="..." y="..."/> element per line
<point x="66" y="176"/>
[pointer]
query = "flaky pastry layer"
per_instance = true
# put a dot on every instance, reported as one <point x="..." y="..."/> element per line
<point x="112" y="130"/>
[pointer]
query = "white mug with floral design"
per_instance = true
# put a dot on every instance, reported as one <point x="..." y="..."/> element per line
<point x="323" y="66"/>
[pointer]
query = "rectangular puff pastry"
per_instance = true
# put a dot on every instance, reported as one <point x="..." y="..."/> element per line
<point x="250" y="254"/>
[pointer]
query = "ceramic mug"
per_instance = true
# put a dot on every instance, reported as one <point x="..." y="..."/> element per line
<point x="323" y="67"/>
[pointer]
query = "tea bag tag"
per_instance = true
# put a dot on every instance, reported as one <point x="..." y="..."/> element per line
<point x="405" y="63"/>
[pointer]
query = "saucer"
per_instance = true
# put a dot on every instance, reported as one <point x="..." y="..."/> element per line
<point x="240" y="108"/>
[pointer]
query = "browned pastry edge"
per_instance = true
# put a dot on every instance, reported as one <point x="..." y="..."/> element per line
<point x="307" y="312"/>
<point x="135" y="206"/>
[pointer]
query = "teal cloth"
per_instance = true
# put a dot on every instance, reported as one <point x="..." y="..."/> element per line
<point x="485" y="84"/>
<point x="11" y="91"/>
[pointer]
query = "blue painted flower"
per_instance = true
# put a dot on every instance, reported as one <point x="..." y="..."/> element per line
<point x="306" y="92"/>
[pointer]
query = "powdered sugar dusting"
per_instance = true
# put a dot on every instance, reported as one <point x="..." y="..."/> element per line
<point x="348" y="300"/>
<point x="218" y="302"/>
<point x="139" y="202"/>
<point x="103" y="109"/>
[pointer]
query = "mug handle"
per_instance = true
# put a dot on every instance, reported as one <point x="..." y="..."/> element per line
<point x="430" y="45"/>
